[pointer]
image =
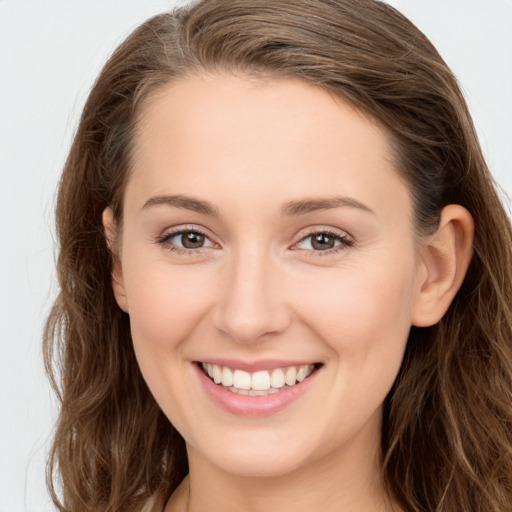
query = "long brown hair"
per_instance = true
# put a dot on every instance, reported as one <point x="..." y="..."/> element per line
<point x="447" y="436"/>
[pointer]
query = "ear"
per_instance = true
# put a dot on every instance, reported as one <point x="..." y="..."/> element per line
<point x="110" y="229"/>
<point x="445" y="258"/>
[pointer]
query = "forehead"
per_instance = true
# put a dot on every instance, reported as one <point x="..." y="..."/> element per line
<point x="258" y="136"/>
<point x="286" y="110"/>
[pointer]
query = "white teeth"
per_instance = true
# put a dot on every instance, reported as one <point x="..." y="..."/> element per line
<point x="227" y="377"/>
<point x="253" y="392"/>
<point x="217" y="374"/>
<point x="301" y="373"/>
<point x="241" y="379"/>
<point x="256" y="392"/>
<point x="277" y="380"/>
<point x="291" y="374"/>
<point x="258" y="383"/>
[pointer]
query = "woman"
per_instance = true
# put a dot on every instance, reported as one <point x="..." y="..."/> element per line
<point x="285" y="273"/>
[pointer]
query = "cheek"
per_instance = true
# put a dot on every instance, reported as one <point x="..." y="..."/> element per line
<point x="359" y="298"/>
<point x="165" y="304"/>
<point x="364" y="321"/>
<point x="363" y="314"/>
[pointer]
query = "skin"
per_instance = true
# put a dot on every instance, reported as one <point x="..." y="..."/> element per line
<point x="259" y="290"/>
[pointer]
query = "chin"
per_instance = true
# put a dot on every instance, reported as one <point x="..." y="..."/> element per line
<point x="259" y="458"/>
<point x="249" y="466"/>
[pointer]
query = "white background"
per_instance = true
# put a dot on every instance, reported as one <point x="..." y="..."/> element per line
<point x="50" y="52"/>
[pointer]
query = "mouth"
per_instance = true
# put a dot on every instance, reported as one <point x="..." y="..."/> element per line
<point x="259" y="383"/>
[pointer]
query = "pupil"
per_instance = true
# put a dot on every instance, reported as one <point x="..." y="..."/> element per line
<point x="192" y="240"/>
<point x="322" y="242"/>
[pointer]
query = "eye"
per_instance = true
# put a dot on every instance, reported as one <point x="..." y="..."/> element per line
<point x="324" y="241"/>
<point x="186" y="240"/>
<point x="189" y="240"/>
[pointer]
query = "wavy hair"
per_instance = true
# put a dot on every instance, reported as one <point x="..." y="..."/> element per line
<point x="447" y="435"/>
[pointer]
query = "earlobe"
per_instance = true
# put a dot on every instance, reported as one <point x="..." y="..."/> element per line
<point x="111" y="238"/>
<point x="445" y="258"/>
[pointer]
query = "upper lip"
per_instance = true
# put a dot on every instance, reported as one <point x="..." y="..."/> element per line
<point x="254" y="366"/>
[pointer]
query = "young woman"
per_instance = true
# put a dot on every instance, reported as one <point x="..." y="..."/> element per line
<point x="286" y="275"/>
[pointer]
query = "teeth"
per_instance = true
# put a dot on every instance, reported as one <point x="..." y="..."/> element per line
<point x="255" y="392"/>
<point x="227" y="377"/>
<point x="291" y="374"/>
<point x="302" y="373"/>
<point x="259" y="383"/>
<point x="277" y="379"/>
<point x="252" y="392"/>
<point x="241" y="379"/>
<point x="217" y="374"/>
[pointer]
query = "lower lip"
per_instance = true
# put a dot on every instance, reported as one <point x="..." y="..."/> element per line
<point x="246" y="405"/>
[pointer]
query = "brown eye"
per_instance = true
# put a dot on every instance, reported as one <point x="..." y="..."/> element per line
<point x="187" y="240"/>
<point x="192" y="240"/>
<point x="325" y="241"/>
<point x="322" y="242"/>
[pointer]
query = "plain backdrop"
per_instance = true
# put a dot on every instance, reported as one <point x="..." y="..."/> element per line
<point x="50" y="52"/>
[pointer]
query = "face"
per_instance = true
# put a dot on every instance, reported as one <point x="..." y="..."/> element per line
<point x="267" y="240"/>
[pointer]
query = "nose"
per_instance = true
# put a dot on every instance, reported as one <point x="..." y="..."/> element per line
<point x="251" y="306"/>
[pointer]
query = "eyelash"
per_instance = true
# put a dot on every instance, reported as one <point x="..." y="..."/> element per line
<point x="344" y="241"/>
<point x="165" y="240"/>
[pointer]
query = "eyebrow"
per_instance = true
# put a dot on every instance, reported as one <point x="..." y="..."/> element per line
<point x="185" y="202"/>
<point x="291" y="208"/>
<point x="305" y="206"/>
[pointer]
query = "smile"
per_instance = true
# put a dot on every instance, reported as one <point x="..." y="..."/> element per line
<point x="260" y="383"/>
